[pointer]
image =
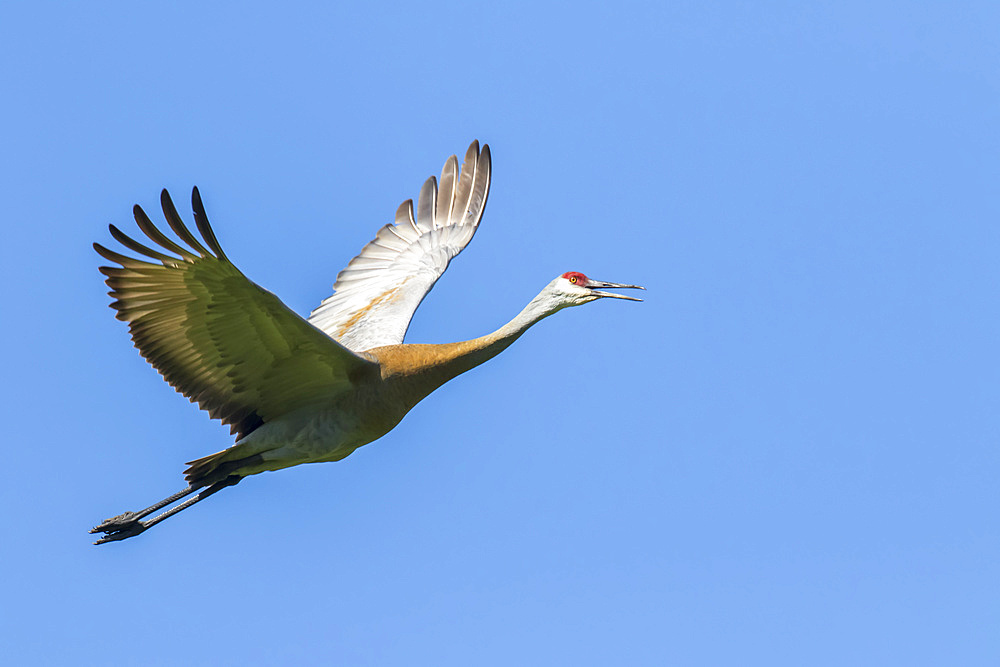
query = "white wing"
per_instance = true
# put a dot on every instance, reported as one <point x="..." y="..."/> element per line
<point x="377" y="294"/>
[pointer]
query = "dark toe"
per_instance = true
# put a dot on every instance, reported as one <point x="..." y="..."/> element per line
<point x="116" y="523"/>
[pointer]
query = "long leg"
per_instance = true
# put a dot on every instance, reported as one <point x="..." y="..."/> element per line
<point x="126" y="518"/>
<point x="130" y="524"/>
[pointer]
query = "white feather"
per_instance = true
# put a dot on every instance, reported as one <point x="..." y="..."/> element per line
<point x="376" y="295"/>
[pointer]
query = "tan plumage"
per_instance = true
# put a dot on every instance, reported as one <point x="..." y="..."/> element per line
<point x="289" y="390"/>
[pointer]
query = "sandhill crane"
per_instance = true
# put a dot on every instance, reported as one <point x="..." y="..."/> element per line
<point x="310" y="390"/>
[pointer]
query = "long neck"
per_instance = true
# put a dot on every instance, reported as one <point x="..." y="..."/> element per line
<point x="427" y="367"/>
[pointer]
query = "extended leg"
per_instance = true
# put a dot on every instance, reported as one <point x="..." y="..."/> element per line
<point x="126" y="519"/>
<point x="130" y="524"/>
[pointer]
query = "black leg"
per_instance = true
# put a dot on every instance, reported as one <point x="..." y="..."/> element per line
<point x="130" y="524"/>
<point x="127" y="519"/>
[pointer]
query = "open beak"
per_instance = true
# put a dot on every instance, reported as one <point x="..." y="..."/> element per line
<point x="597" y="283"/>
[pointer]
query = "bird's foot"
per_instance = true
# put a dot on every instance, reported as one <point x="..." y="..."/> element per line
<point x="116" y="522"/>
<point x="119" y="527"/>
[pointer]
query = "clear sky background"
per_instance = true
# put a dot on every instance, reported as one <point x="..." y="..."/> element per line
<point x="789" y="454"/>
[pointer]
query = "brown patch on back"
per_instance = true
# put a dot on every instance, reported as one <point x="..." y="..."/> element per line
<point x="412" y="358"/>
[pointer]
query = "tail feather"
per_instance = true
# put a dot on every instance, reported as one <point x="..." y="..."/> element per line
<point x="219" y="466"/>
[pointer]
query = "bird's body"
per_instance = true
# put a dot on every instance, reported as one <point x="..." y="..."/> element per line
<point x="331" y="431"/>
<point x="297" y="391"/>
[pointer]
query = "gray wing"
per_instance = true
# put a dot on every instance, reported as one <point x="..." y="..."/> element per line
<point x="215" y="336"/>
<point x="376" y="295"/>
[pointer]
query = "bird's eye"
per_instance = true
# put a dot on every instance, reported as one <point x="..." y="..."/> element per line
<point x="573" y="279"/>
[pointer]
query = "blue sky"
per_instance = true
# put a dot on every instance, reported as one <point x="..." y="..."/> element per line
<point x="787" y="455"/>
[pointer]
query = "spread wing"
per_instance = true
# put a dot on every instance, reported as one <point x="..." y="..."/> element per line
<point x="216" y="337"/>
<point x="377" y="294"/>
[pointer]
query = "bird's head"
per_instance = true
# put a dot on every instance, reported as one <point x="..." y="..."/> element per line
<point x="577" y="289"/>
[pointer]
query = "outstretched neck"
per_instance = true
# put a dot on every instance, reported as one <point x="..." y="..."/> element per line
<point x="473" y="352"/>
<point x="430" y="366"/>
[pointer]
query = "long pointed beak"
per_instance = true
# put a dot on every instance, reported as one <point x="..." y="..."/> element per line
<point x="599" y="283"/>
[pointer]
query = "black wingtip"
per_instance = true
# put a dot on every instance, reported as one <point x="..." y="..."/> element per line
<point x="197" y="205"/>
<point x="176" y="224"/>
<point x="204" y="227"/>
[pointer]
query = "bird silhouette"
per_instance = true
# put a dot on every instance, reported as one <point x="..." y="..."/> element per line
<point x="298" y="390"/>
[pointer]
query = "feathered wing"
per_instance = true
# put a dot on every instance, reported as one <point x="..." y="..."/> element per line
<point x="376" y="295"/>
<point x="216" y="337"/>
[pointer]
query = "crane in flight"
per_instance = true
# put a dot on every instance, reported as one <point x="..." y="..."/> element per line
<point x="298" y="390"/>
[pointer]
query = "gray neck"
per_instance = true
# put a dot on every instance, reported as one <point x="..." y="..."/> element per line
<point x="481" y="350"/>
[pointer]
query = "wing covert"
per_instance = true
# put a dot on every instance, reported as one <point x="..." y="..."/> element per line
<point x="376" y="295"/>
<point x="215" y="336"/>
